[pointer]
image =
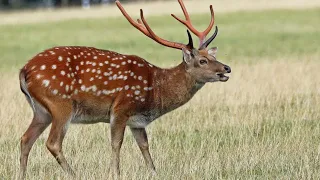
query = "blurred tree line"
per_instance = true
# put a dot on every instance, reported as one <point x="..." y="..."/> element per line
<point x="25" y="4"/>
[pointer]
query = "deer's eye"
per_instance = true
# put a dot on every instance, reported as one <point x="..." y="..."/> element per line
<point x="203" y="62"/>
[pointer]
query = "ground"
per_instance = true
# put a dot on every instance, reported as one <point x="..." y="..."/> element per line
<point x="261" y="124"/>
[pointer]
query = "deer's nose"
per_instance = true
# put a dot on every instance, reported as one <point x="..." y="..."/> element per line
<point x="227" y="69"/>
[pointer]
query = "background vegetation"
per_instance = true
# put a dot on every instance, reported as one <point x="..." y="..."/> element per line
<point x="261" y="124"/>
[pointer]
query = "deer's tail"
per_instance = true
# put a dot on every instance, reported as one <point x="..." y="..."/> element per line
<point x="24" y="88"/>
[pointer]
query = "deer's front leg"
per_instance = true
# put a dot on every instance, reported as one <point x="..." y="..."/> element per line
<point x="118" y="125"/>
<point x="140" y="135"/>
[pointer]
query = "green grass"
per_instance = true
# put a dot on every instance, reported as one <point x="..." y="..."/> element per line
<point x="264" y="123"/>
<point x="243" y="36"/>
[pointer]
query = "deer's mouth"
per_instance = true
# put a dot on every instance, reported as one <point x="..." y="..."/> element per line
<point x="222" y="77"/>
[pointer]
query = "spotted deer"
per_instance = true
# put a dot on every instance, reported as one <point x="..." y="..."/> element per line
<point x="73" y="84"/>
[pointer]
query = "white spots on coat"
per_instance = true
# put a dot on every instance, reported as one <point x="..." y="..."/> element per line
<point x="94" y="88"/>
<point x="83" y="88"/>
<point x="43" y="67"/>
<point x="46" y="82"/>
<point x="55" y="92"/>
<point x="95" y="76"/>
<point x="137" y="92"/>
<point x="147" y="88"/>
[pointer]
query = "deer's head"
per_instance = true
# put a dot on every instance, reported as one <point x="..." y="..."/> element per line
<point x="201" y="63"/>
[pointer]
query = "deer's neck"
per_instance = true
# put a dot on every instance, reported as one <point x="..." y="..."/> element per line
<point x="173" y="88"/>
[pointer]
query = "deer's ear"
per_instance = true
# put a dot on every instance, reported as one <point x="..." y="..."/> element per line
<point x="187" y="55"/>
<point x="213" y="51"/>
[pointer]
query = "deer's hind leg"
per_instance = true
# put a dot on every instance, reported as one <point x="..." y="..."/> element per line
<point x="61" y="117"/>
<point x="40" y="122"/>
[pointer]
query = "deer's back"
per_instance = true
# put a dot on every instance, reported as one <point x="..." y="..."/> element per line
<point x="94" y="82"/>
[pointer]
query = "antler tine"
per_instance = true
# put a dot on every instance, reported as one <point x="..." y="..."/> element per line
<point x="146" y="30"/>
<point x="187" y="22"/>
<point x="211" y="22"/>
<point x="184" y="9"/>
<point x="138" y="25"/>
<point x="157" y="38"/>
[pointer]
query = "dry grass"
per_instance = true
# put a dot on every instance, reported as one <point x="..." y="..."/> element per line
<point x="262" y="123"/>
<point x="154" y="8"/>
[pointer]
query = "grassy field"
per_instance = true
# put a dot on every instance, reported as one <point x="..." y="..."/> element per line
<point x="261" y="124"/>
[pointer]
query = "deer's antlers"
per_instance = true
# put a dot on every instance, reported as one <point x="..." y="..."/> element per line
<point x="188" y="24"/>
<point x="146" y="30"/>
<point x="143" y="26"/>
